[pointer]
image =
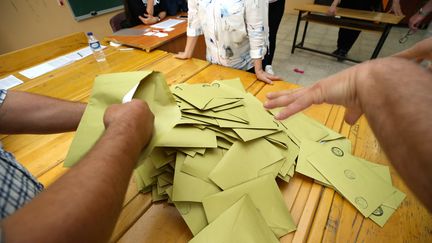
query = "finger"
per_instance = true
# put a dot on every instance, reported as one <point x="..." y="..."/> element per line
<point x="299" y="104"/>
<point x="273" y="95"/>
<point x="273" y="77"/>
<point x="283" y="100"/>
<point x="352" y="115"/>
<point x="265" y="79"/>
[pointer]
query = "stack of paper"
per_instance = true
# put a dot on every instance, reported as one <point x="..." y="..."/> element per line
<point x="219" y="162"/>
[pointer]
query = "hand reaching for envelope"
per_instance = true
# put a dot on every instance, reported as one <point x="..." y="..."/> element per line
<point x="394" y="94"/>
<point x="338" y="89"/>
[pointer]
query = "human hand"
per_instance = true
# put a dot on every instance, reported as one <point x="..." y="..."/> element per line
<point x="396" y="9"/>
<point x="422" y="50"/>
<point x="331" y="10"/>
<point x="133" y="118"/>
<point x="341" y="89"/>
<point x="182" y="55"/>
<point x="265" y="76"/>
<point x="148" y="19"/>
<point x="415" y="21"/>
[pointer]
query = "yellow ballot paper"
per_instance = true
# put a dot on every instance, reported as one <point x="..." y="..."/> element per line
<point x="265" y="195"/>
<point x="241" y="223"/>
<point x="111" y="89"/>
<point x="244" y="161"/>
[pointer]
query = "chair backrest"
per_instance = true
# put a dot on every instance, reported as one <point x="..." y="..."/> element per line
<point x="116" y="20"/>
<point x="30" y="56"/>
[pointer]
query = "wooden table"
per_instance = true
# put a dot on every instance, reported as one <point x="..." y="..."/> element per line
<point x="175" y="41"/>
<point x="347" y="18"/>
<point x="321" y="214"/>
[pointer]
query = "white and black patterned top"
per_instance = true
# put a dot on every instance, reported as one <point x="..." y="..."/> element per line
<point x="17" y="185"/>
<point x="235" y="31"/>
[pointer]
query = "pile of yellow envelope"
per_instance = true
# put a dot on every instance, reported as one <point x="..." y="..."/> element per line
<point x="217" y="159"/>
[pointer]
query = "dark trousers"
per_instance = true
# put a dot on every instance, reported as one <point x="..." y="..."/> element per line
<point x="347" y="37"/>
<point x="276" y="11"/>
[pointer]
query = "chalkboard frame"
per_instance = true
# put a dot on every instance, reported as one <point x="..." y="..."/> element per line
<point x="93" y="13"/>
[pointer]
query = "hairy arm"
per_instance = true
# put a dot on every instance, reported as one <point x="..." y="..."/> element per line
<point x="84" y="204"/>
<point x="23" y="112"/>
<point x="394" y="94"/>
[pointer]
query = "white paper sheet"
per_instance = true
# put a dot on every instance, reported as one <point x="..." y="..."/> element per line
<point x="9" y="82"/>
<point x="167" y="23"/>
<point x="56" y="63"/>
<point x="161" y="34"/>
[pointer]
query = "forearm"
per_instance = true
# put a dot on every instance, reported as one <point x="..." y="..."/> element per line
<point x="257" y="65"/>
<point x="190" y="45"/>
<point x="150" y="7"/>
<point x="428" y="7"/>
<point x="335" y="3"/>
<point x="83" y="205"/>
<point x="396" y="100"/>
<point x="24" y="112"/>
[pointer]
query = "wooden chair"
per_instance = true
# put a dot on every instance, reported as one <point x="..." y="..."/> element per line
<point x="30" y="56"/>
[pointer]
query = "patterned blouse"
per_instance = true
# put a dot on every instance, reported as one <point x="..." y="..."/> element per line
<point x="235" y="31"/>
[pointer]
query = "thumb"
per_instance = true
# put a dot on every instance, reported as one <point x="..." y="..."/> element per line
<point x="352" y="115"/>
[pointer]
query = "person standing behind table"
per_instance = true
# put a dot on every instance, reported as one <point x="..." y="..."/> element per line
<point x="347" y="37"/>
<point x="143" y="12"/>
<point x="175" y="6"/>
<point x="234" y="31"/>
<point x="275" y="14"/>
<point x="418" y="18"/>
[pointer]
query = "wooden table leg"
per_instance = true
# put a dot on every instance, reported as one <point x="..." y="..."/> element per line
<point x="381" y="41"/>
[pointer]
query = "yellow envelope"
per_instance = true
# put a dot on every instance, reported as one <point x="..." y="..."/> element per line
<point x="189" y="188"/>
<point x="258" y="117"/>
<point x="201" y="165"/>
<point x="108" y="89"/>
<point x="237" y="103"/>
<point x="192" y="213"/>
<point x="251" y="134"/>
<point x="241" y="223"/>
<point x="281" y="138"/>
<point x="290" y="155"/>
<point x="300" y="127"/>
<point x="244" y="161"/>
<point x="159" y="158"/>
<point x="178" y="137"/>
<point x="266" y="197"/>
<point x="355" y="181"/>
<point x="199" y="95"/>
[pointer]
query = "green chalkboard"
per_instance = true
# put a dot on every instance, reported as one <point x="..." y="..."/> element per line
<point x="83" y="9"/>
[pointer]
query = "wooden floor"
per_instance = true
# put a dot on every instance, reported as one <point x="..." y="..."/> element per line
<point x="321" y="214"/>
